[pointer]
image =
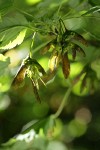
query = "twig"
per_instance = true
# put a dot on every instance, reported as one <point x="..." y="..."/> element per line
<point x="65" y="100"/>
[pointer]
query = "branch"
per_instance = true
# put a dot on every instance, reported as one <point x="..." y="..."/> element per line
<point x="65" y="100"/>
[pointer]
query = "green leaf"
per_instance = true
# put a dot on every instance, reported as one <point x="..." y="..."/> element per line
<point x="40" y="144"/>
<point x="9" y="143"/>
<point x="15" y="19"/>
<point x="5" y="6"/>
<point x="92" y="10"/>
<point x="92" y="26"/>
<point x="20" y="144"/>
<point x="0" y="17"/>
<point x="94" y="2"/>
<point x="4" y="62"/>
<point x="56" y="145"/>
<point x="12" y="37"/>
<point x="4" y="76"/>
<point x="12" y="31"/>
<point x="4" y="82"/>
<point x="36" y="126"/>
<point x="96" y="67"/>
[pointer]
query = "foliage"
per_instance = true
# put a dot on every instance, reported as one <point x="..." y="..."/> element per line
<point x="55" y="45"/>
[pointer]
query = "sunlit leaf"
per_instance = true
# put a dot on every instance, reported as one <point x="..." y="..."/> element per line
<point x="31" y="2"/>
<point x="95" y="65"/>
<point x="12" y="37"/>
<point x="4" y="62"/>
<point x="36" y="125"/>
<point x="92" y="10"/>
<point x="4" y="76"/>
<point x="12" y="30"/>
<point x="5" y="82"/>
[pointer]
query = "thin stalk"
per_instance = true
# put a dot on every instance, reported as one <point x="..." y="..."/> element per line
<point x="89" y="17"/>
<point x="24" y="12"/>
<point x="64" y="101"/>
<point x="30" y="54"/>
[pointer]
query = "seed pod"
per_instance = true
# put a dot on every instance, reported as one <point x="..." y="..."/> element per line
<point x="80" y="39"/>
<point x="65" y="65"/>
<point x="53" y="61"/>
<point x="80" y="50"/>
<point x="75" y="49"/>
<point x="40" y="68"/>
<point x="73" y="53"/>
<point x="35" y="90"/>
<point x="18" y="80"/>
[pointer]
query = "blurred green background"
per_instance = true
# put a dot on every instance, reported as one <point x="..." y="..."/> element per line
<point x="78" y="125"/>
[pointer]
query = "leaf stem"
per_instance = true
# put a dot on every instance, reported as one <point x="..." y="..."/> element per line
<point x="65" y="100"/>
<point x="24" y="12"/>
<point x="32" y="42"/>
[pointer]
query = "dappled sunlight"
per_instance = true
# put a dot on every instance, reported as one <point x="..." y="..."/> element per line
<point x="15" y="56"/>
<point x="76" y="128"/>
<point x="84" y="115"/>
<point x="49" y="75"/>
<point x="4" y="102"/>
<point x="76" y="68"/>
<point x="32" y="2"/>
<point x="44" y="62"/>
<point x="55" y="101"/>
<point x="4" y="86"/>
<point x="77" y="89"/>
